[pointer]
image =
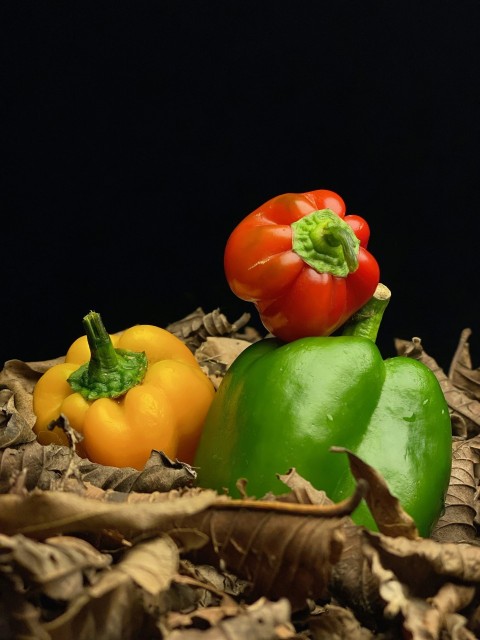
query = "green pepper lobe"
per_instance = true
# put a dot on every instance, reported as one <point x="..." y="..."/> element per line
<point x="326" y="243"/>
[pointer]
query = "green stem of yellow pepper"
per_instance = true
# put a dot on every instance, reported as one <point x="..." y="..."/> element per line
<point x="110" y="372"/>
<point x="366" y="322"/>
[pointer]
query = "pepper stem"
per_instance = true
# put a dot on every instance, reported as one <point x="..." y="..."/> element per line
<point x="110" y="372"/>
<point x="326" y="243"/>
<point x="366" y="322"/>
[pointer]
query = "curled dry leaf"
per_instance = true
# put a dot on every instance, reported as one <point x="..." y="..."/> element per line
<point x="20" y="377"/>
<point x="351" y="580"/>
<point x="461" y="372"/>
<point x="41" y="514"/>
<point x="45" y="467"/>
<point x="57" y="568"/>
<point x="386" y="509"/>
<point x="262" y="620"/>
<point x="152" y="565"/>
<point x="449" y="599"/>
<point x="435" y="563"/>
<point x="420" y="616"/>
<point x="465" y="411"/>
<point x="14" y="428"/>
<point x="215" y="583"/>
<point x="215" y="356"/>
<point x="281" y="554"/>
<point x="417" y="618"/>
<point x="277" y="546"/>
<point x="119" y="603"/>
<point x="302" y="491"/>
<point x="195" y="328"/>
<point x="457" y="522"/>
<point x="333" y="621"/>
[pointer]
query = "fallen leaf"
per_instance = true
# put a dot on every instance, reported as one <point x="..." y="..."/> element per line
<point x="386" y="509"/>
<point x="47" y="466"/>
<point x="461" y="372"/>
<point x="262" y="620"/>
<point x="57" y="567"/>
<point x="435" y="563"/>
<point x="15" y="429"/>
<point x="333" y="622"/>
<point x="43" y="513"/>
<point x="195" y="328"/>
<point x="457" y="524"/>
<point x="303" y="492"/>
<point x="110" y="609"/>
<point x="465" y="410"/>
<point x="216" y="354"/>
<point x="20" y="377"/>
<point x="420" y="617"/>
<point x="152" y="565"/>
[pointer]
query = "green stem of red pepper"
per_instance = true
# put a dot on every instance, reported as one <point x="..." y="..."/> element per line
<point x="366" y="322"/>
<point x="326" y="243"/>
<point x="110" y="372"/>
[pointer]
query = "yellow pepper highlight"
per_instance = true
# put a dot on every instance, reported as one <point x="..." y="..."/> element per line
<point x="165" y="411"/>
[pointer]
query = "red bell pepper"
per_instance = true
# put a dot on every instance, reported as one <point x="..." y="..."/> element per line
<point x="303" y="263"/>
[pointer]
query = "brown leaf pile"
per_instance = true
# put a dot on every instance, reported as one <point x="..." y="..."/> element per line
<point x="93" y="552"/>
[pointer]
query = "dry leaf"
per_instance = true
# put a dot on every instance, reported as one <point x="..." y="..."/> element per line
<point x="215" y="356"/>
<point x="20" y="377"/>
<point x="464" y="409"/>
<point x="386" y="509"/>
<point x="44" y="513"/>
<point x="461" y="372"/>
<point x="46" y="467"/>
<point x="457" y="522"/>
<point x="334" y="623"/>
<point x="352" y="582"/>
<point x="303" y="491"/>
<point x="421" y="617"/>
<point x="112" y="609"/>
<point x="198" y="325"/>
<point x="213" y="581"/>
<point x="15" y="429"/>
<point x="152" y="565"/>
<point x="435" y="563"/>
<point x="450" y="599"/>
<point x="279" y="555"/>
<point x="262" y="620"/>
<point x="57" y="567"/>
<point x="419" y="620"/>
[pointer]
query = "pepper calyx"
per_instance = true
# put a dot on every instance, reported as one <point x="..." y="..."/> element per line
<point x="326" y="243"/>
<point x="111" y="372"/>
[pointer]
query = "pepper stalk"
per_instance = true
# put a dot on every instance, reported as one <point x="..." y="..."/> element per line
<point x="366" y="321"/>
<point x="110" y="372"/>
<point x="326" y="243"/>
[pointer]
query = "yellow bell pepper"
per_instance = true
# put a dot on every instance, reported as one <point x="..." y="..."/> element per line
<point x="127" y="394"/>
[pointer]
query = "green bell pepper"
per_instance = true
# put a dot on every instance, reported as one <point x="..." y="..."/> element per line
<point x="284" y="405"/>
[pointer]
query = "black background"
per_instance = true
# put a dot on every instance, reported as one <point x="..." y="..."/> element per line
<point x="135" y="136"/>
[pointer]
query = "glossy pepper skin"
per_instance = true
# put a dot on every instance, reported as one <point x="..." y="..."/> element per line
<point x="127" y="410"/>
<point x="284" y="405"/>
<point x="303" y="263"/>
